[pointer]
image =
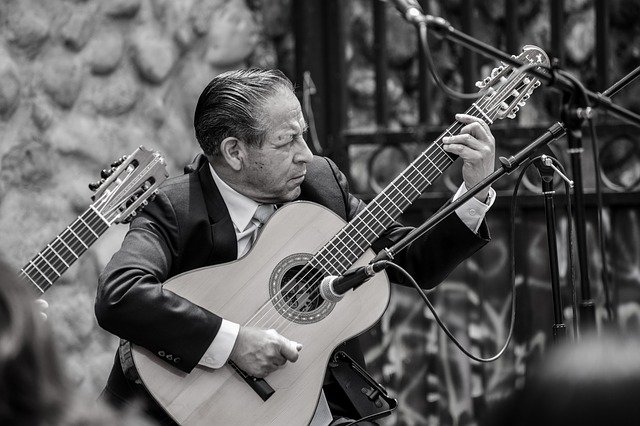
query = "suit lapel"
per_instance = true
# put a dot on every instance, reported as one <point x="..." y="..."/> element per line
<point x="224" y="243"/>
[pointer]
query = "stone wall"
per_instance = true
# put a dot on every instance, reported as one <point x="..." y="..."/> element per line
<point x="85" y="82"/>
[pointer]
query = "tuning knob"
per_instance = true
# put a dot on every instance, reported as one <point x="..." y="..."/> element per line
<point x="119" y="161"/>
<point x="96" y="185"/>
<point x="105" y="173"/>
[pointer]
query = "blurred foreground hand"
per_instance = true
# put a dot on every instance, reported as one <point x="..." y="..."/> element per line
<point x="42" y="306"/>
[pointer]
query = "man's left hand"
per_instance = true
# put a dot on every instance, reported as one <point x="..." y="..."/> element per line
<point x="475" y="144"/>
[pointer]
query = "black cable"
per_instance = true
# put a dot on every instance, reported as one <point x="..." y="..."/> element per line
<point x="444" y="327"/>
<point x="424" y="42"/>
<point x="426" y="51"/>
<point x="512" y="272"/>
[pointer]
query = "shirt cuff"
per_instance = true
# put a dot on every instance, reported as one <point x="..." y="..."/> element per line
<point x="473" y="211"/>
<point x="218" y="352"/>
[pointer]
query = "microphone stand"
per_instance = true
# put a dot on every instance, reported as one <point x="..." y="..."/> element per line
<point x="575" y="111"/>
<point x="546" y="169"/>
<point x="508" y="165"/>
<point x="574" y="114"/>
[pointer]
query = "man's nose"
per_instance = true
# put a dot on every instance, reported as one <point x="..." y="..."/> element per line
<point x="304" y="155"/>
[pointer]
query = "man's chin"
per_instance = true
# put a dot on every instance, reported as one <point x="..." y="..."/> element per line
<point x="293" y="194"/>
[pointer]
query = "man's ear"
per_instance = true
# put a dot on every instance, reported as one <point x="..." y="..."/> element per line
<point x="232" y="151"/>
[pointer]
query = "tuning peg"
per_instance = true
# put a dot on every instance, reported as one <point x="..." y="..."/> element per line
<point x="96" y="185"/>
<point x="496" y="71"/>
<point x="119" y="161"/>
<point x="105" y="173"/>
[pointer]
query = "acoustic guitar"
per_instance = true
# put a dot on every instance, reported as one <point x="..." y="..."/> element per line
<point x="276" y="285"/>
<point x="121" y="193"/>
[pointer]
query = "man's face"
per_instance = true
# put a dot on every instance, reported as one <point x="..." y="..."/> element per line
<point x="274" y="171"/>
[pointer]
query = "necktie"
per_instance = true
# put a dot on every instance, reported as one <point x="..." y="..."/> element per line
<point x="263" y="213"/>
<point x="247" y="237"/>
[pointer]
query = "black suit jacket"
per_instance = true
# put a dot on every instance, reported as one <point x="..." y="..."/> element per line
<point x="188" y="226"/>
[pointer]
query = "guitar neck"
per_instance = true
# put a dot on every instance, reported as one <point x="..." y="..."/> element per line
<point x="357" y="236"/>
<point x="48" y="265"/>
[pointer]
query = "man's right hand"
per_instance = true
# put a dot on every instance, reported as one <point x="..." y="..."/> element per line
<point x="259" y="352"/>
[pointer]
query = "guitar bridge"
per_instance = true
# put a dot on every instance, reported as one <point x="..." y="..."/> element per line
<point x="260" y="386"/>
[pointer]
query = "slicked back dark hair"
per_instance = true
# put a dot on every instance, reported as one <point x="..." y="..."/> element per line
<point x="234" y="104"/>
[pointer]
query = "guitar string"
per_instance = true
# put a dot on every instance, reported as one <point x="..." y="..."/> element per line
<point x="506" y="90"/>
<point x="80" y="237"/>
<point x="75" y="240"/>
<point x="454" y="128"/>
<point x="309" y="283"/>
<point x="509" y="90"/>
<point x="313" y="276"/>
<point x="52" y="257"/>
<point x="422" y="160"/>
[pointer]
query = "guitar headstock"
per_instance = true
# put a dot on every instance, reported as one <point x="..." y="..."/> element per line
<point x="128" y="185"/>
<point x="507" y="89"/>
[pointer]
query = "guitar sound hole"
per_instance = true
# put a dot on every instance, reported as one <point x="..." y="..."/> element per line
<point x="300" y="289"/>
<point x="294" y="288"/>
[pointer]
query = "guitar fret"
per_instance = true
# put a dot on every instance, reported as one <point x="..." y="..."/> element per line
<point x="434" y="165"/>
<point x="423" y="176"/>
<point x="85" y="224"/>
<point x="400" y="192"/>
<point x="335" y="258"/>
<point x="443" y="151"/>
<point x="356" y="243"/>
<point x="391" y="201"/>
<point x="374" y="218"/>
<point x="32" y="280"/>
<point x="329" y="260"/>
<point x="384" y="211"/>
<point x="418" y="192"/>
<point x="319" y="266"/>
<point x="99" y="214"/>
<point x="78" y="238"/>
<point x="483" y="113"/>
<point x="41" y="273"/>
<point x="370" y="229"/>
<point x="59" y="256"/>
<point x="355" y="228"/>
<point x="68" y="248"/>
<point x="50" y="265"/>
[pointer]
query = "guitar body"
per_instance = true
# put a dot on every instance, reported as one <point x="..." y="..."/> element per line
<point x="239" y="290"/>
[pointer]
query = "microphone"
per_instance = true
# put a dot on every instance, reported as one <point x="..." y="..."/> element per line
<point x="410" y="10"/>
<point x="333" y="288"/>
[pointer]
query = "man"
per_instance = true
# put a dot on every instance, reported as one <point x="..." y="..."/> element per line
<point x="250" y="127"/>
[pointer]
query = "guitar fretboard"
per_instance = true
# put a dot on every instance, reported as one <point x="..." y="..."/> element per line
<point x="48" y="265"/>
<point x="356" y="237"/>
